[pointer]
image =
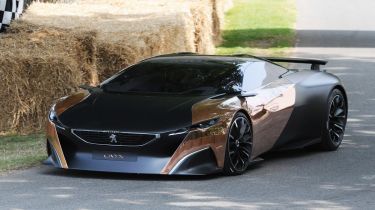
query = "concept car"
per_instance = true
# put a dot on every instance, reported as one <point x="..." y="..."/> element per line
<point x="196" y="114"/>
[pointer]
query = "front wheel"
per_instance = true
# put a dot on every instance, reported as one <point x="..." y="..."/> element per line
<point x="334" y="129"/>
<point x="239" y="145"/>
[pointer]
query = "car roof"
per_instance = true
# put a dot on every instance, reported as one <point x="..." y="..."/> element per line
<point x="202" y="59"/>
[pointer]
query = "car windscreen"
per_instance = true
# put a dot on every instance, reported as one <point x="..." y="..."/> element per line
<point x="197" y="78"/>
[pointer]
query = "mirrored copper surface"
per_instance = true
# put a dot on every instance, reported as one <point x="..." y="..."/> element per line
<point x="55" y="143"/>
<point x="214" y="137"/>
<point x="269" y="111"/>
<point x="65" y="103"/>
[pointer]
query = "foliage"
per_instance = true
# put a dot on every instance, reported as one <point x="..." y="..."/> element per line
<point x="259" y="27"/>
<point x="21" y="151"/>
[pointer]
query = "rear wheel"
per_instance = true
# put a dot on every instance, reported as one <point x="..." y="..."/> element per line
<point x="333" y="132"/>
<point x="239" y="145"/>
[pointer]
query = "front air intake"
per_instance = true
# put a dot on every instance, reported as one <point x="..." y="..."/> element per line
<point x="114" y="138"/>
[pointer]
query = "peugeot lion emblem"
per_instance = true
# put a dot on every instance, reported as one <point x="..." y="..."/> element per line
<point x="113" y="138"/>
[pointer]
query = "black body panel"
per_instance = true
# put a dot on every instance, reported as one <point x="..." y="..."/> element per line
<point x="307" y="120"/>
<point x="131" y="112"/>
<point x="315" y="63"/>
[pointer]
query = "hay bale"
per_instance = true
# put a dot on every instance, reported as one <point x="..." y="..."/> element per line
<point x="126" y="31"/>
<point x="203" y="26"/>
<point x="86" y="56"/>
<point x="137" y="18"/>
<point x="31" y="97"/>
<point x="60" y="46"/>
<point x="219" y="7"/>
<point x="37" y="66"/>
<point x="128" y="45"/>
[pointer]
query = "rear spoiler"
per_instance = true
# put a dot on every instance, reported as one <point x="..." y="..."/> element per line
<point x="315" y="63"/>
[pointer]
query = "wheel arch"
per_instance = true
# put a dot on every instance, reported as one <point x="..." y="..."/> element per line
<point x="246" y="114"/>
<point x="243" y="111"/>
<point x="342" y="89"/>
<point x="327" y="143"/>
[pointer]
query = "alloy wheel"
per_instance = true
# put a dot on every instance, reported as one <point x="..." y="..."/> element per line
<point x="337" y="119"/>
<point x="240" y="143"/>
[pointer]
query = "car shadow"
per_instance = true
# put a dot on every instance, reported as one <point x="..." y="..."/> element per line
<point x="268" y="157"/>
<point x="124" y="176"/>
<point x="290" y="154"/>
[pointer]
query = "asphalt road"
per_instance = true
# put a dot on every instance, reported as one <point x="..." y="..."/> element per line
<point x="342" y="31"/>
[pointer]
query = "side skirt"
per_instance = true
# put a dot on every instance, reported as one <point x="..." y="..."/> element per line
<point x="298" y="144"/>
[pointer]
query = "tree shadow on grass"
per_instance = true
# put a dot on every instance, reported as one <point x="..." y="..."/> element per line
<point x="258" y="38"/>
<point x="285" y="37"/>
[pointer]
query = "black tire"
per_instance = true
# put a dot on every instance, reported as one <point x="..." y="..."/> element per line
<point x="335" y="121"/>
<point x="239" y="145"/>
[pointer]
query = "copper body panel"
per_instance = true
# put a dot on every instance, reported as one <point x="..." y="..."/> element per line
<point x="62" y="105"/>
<point x="53" y="139"/>
<point x="214" y="137"/>
<point x="269" y="112"/>
<point x="65" y="103"/>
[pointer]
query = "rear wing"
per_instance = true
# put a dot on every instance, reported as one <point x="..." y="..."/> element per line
<point x="315" y="63"/>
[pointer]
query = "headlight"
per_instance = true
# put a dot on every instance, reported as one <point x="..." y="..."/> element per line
<point x="202" y="125"/>
<point x="52" y="114"/>
<point x="206" y="124"/>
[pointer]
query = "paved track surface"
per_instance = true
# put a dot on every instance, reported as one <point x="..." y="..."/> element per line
<point x="343" y="31"/>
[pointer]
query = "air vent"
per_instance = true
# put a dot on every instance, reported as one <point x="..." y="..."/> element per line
<point x="114" y="138"/>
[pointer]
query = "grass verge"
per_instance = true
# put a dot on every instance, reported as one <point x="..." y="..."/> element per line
<point x="259" y="27"/>
<point x="18" y="152"/>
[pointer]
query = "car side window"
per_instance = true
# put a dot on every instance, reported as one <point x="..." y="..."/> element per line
<point x="260" y="73"/>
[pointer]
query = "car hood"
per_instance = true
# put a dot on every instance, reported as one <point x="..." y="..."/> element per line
<point x="131" y="112"/>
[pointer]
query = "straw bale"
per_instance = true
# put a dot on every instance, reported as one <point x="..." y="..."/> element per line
<point x="57" y="47"/>
<point x="129" y="43"/>
<point x="219" y="7"/>
<point x="203" y="25"/>
<point x="126" y="32"/>
<point x="38" y="65"/>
